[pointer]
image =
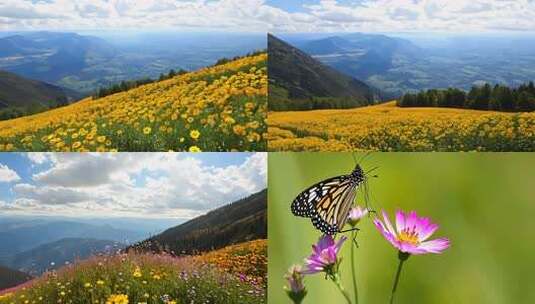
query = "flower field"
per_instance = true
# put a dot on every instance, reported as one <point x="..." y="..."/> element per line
<point x="386" y="127"/>
<point x="219" y="108"/>
<point x="150" y="278"/>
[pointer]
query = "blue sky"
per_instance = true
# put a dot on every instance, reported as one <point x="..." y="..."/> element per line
<point x="175" y="185"/>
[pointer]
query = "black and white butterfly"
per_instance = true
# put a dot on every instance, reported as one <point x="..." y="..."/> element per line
<point x="328" y="202"/>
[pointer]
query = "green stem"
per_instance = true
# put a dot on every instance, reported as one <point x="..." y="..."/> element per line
<point x="336" y="280"/>
<point x="353" y="235"/>
<point x="402" y="258"/>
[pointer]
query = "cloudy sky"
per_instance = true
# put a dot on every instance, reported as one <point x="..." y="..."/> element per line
<point x="159" y="185"/>
<point x="271" y="15"/>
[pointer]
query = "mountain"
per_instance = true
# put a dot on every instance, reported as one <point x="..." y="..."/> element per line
<point x="362" y="55"/>
<point x="300" y="82"/>
<point x="56" y="254"/>
<point x="19" y="92"/>
<point x="84" y="63"/>
<point x="11" y="278"/>
<point x="241" y="221"/>
<point x="16" y="238"/>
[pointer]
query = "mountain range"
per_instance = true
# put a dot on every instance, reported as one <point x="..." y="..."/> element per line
<point x="238" y="222"/>
<point x="59" y="253"/>
<point x="18" y="237"/>
<point x="300" y="82"/>
<point x="83" y="63"/>
<point x="401" y="63"/>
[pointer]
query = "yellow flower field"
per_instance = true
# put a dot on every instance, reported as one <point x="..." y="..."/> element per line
<point x="386" y="127"/>
<point x="219" y="108"/>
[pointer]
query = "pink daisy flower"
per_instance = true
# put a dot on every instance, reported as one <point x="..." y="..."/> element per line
<point x="355" y="215"/>
<point x="411" y="233"/>
<point x="324" y="257"/>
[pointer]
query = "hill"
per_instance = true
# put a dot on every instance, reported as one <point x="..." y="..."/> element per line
<point x="10" y="278"/>
<point x="387" y="127"/>
<point x="300" y="82"/>
<point x="56" y="254"/>
<point x="16" y="238"/>
<point x="400" y="63"/>
<point x="219" y="108"/>
<point x="31" y="95"/>
<point x="84" y="63"/>
<point x="241" y="221"/>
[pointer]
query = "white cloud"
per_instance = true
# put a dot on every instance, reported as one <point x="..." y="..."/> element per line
<point x="131" y="184"/>
<point x="7" y="175"/>
<point x="236" y="15"/>
<point x="403" y="15"/>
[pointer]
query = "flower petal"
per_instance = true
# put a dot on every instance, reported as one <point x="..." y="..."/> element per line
<point x="435" y="246"/>
<point x="400" y="220"/>
<point x="387" y="224"/>
<point x="386" y="233"/>
<point x="426" y="231"/>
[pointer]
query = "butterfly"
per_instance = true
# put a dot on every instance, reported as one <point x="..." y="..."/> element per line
<point x="328" y="202"/>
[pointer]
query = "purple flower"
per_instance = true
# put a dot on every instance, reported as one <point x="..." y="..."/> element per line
<point x="297" y="291"/>
<point x="295" y="279"/>
<point x="324" y="257"/>
<point x="410" y="233"/>
<point x="355" y="215"/>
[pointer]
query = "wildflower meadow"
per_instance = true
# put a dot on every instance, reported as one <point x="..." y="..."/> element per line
<point x="217" y="277"/>
<point x="218" y="108"/>
<point x="386" y="127"/>
<point x="430" y="228"/>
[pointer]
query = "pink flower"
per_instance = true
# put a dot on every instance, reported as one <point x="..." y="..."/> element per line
<point x="295" y="279"/>
<point x="410" y="233"/>
<point x="355" y="214"/>
<point x="324" y="257"/>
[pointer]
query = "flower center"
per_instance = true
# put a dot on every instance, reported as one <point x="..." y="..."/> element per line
<point x="408" y="236"/>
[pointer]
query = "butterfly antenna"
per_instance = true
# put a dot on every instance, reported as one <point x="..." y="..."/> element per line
<point x="371" y="170"/>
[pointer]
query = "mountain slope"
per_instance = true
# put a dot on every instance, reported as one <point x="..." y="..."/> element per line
<point x="225" y="103"/>
<point x="241" y="221"/>
<point x="16" y="91"/>
<point x="300" y="82"/>
<point x="56" y="254"/>
<point x="11" y="278"/>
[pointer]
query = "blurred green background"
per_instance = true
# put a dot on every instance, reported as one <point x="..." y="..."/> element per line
<point x="485" y="203"/>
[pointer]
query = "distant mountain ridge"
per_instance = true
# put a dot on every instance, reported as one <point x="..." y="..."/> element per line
<point x="19" y="238"/>
<point x="56" y="254"/>
<point x="300" y="82"/>
<point x="241" y="221"/>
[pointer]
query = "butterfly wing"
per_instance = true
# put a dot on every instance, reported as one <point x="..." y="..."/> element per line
<point x="327" y="203"/>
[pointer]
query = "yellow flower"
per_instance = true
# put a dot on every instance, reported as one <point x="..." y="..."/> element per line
<point x="194" y="149"/>
<point x="195" y="134"/>
<point x="137" y="273"/>
<point x="147" y="130"/>
<point x="117" y="299"/>
<point x="76" y="145"/>
<point x="100" y="282"/>
<point x="101" y="139"/>
<point x="88" y="285"/>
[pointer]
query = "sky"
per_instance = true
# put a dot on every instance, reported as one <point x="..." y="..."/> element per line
<point x="271" y="15"/>
<point x="151" y="185"/>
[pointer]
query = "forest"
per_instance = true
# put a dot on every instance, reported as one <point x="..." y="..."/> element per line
<point x="485" y="97"/>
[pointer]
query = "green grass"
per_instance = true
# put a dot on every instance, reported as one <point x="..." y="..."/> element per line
<point x="482" y="202"/>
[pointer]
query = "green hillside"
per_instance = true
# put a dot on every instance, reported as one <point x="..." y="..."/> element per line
<point x="241" y="221"/>
<point x="300" y="82"/>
